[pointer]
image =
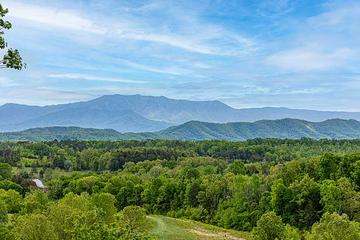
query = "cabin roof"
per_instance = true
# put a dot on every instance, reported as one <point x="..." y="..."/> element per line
<point x="38" y="183"/>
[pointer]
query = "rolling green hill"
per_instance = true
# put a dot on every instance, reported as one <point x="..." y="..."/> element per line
<point x="69" y="133"/>
<point x="194" y="130"/>
<point x="285" y="128"/>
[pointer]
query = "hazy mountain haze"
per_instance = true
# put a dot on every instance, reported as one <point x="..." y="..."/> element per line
<point x="137" y="113"/>
<point x="195" y="130"/>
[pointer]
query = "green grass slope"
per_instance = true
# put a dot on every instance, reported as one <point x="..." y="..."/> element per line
<point x="165" y="228"/>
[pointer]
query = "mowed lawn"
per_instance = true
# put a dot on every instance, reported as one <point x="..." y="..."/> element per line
<point x="166" y="228"/>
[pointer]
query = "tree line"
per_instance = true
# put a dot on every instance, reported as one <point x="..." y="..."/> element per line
<point x="106" y="155"/>
<point x="307" y="195"/>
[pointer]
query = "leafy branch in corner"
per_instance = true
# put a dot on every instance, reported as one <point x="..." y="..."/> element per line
<point x="12" y="58"/>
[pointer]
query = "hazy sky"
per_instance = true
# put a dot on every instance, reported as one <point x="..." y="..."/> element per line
<point x="299" y="53"/>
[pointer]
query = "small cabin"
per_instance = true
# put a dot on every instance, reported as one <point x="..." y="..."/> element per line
<point x="37" y="183"/>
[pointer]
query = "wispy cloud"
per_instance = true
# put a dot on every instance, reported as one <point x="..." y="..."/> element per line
<point x="343" y="17"/>
<point x="44" y="96"/>
<point x="50" y="17"/>
<point x="76" y="76"/>
<point x="5" y="82"/>
<point x="272" y="52"/>
<point x="275" y="8"/>
<point x="324" y="42"/>
<point x="309" y="59"/>
<point x="205" y="41"/>
<point x="164" y="70"/>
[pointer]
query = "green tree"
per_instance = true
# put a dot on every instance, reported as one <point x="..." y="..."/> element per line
<point x="243" y="209"/>
<point x="356" y="173"/>
<point x="3" y="212"/>
<point x="5" y="171"/>
<point x="334" y="226"/>
<point x="90" y="160"/>
<point x="133" y="218"/>
<point x="191" y="192"/>
<point x="350" y="199"/>
<point x="12" y="58"/>
<point x="12" y="199"/>
<point x="35" y="201"/>
<point x="6" y="232"/>
<point x="269" y="227"/>
<point x="281" y="200"/>
<point x="237" y="167"/>
<point x="329" y="165"/>
<point x="306" y="202"/>
<point x="292" y="233"/>
<point x="34" y="227"/>
<point x="105" y="202"/>
<point x="75" y="217"/>
<point x="331" y="197"/>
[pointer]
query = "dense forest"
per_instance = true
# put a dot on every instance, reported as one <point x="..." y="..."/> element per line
<point x="273" y="189"/>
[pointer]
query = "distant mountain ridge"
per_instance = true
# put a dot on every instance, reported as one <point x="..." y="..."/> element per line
<point x="136" y="113"/>
<point x="284" y="128"/>
<point x="195" y="130"/>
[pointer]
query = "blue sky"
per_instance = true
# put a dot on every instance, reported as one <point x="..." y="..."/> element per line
<point x="298" y="54"/>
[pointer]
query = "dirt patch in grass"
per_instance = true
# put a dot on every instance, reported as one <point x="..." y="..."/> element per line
<point x="211" y="235"/>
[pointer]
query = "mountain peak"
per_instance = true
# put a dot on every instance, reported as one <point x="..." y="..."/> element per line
<point x="11" y="105"/>
<point x="139" y="113"/>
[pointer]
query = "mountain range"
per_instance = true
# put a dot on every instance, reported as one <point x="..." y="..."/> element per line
<point x="195" y="130"/>
<point x="136" y="113"/>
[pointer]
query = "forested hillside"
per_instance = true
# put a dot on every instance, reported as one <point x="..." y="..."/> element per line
<point x="271" y="189"/>
<point x="285" y="128"/>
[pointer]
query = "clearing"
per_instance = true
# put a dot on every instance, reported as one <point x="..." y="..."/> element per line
<point x="166" y="228"/>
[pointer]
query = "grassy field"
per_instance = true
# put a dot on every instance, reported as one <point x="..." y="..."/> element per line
<point x="165" y="228"/>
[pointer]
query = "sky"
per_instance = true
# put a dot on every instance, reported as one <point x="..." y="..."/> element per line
<point x="284" y="53"/>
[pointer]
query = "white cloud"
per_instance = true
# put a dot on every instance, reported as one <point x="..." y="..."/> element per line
<point x="298" y="91"/>
<point x="164" y="70"/>
<point x="70" y="20"/>
<point x="174" y="41"/>
<point x="44" y="96"/>
<point x="325" y="42"/>
<point x="5" y="82"/>
<point x="93" y="78"/>
<point x="309" y="59"/>
<point x="202" y="38"/>
<point x="275" y="8"/>
<point x="345" y="17"/>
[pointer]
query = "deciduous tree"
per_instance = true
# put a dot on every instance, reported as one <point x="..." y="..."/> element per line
<point x="12" y="58"/>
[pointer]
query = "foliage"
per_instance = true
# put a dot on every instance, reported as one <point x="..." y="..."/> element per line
<point x="203" y="181"/>
<point x="12" y="58"/>
<point x="269" y="227"/>
<point x="35" y="201"/>
<point x="334" y="226"/>
<point x="5" y="171"/>
<point x="34" y="227"/>
<point x="3" y="212"/>
<point x="133" y="218"/>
